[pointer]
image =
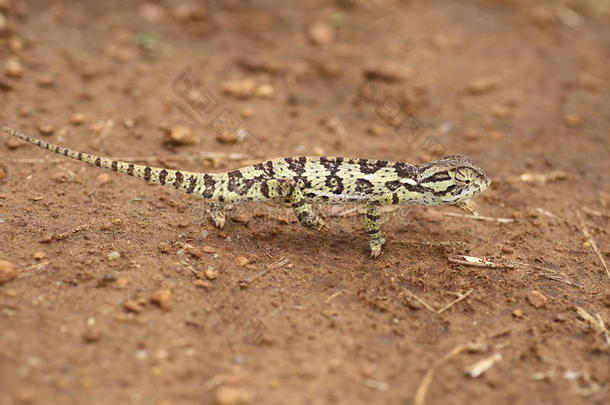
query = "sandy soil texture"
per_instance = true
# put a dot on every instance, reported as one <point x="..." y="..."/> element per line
<point x="113" y="291"/>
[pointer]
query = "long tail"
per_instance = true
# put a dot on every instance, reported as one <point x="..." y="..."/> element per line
<point x="200" y="183"/>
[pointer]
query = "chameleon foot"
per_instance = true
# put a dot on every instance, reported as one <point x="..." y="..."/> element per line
<point x="217" y="215"/>
<point x="376" y="243"/>
<point x="312" y="221"/>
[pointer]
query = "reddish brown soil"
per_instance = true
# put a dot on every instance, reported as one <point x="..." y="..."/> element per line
<point x="520" y="89"/>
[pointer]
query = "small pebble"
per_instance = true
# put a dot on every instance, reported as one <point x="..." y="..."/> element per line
<point x="39" y="255"/>
<point x="194" y="252"/>
<point x="121" y="282"/>
<point x="162" y="298"/>
<point x="133" y="306"/>
<point x="92" y="335"/>
<point x="233" y="396"/>
<point x="211" y="274"/>
<point x="572" y="120"/>
<point x="46" y="81"/>
<point x="45" y="128"/>
<point x="472" y="134"/>
<point x="518" y="313"/>
<point x="265" y="91"/>
<point x="77" y="119"/>
<point x="208" y="249"/>
<point x="180" y="136"/>
<point x="239" y="88"/>
<point x="389" y="72"/>
<point x="14" y="143"/>
<point x="104" y="178"/>
<point x="47" y="237"/>
<point x="242" y="261"/>
<point x="321" y="33"/>
<point x="202" y="284"/>
<point x="227" y="137"/>
<point x="15" y="44"/>
<point x="536" y="299"/>
<point x="483" y="85"/>
<point x="7" y="272"/>
<point x="376" y="130"/>
<point x="13" y="68"/>
<point x="2" y="174"/>
<point x="501" y="111"/>
<point x="113" y="255"/>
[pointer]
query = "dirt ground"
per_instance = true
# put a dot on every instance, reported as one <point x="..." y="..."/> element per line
<point x="117" y="292"/>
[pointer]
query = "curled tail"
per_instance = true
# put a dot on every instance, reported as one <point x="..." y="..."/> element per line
<point x="200" y="183"/>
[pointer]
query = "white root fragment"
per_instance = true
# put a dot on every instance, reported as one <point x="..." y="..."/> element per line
<point x="477" y="369"/>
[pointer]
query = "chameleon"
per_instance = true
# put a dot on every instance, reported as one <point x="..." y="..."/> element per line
<point x="302" y="181"/>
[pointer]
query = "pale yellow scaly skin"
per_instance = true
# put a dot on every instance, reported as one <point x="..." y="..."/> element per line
<point x="304" y="180"/>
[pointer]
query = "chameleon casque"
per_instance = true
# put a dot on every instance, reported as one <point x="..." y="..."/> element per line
<point x="301" y="181"/>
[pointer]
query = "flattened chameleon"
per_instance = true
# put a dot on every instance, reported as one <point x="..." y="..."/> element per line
<point x="301" y="181"/>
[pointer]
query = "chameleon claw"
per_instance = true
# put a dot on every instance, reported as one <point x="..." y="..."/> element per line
<point x="467" y="206"/>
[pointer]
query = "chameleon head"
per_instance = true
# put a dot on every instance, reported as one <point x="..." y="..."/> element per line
<point x="453" y="179"/>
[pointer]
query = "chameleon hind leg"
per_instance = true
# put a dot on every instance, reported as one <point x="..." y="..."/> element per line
<point x="304" y="212"/>
<point x="217" y="214"/>
<point x="373" y="228"/>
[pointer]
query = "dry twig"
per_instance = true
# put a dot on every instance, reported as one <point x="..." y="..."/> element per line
<point x="479" y="217"/>
<point x="589" y="237"/>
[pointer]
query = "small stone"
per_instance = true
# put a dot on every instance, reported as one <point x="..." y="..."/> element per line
<point x="39" y="255"/>
<point x="194" y="252"/>
<point x="104" y="178"/>
<point x="2" y="174"/>
<point x="501" y="111"/>
<point x="247" y="112"/>
<point x="2" y="22"/>
<point x="15" y="44"/>
<point x="14" y="143"/>
<point x="376" y="130"/>
<point x="389" y="72"/>
<point x="239" y="88"/>
<point x="472" y="134"/>
<point x="45" y="128"/>
<point x="152" y="12"/>
<point x="265" y="91"/>
<point x="92" y="335"/>
<point x="518" y="313"/>
<point x="7" y="272"/>
<point x="189" y="12"/>
<point x="233" y="396"/>
<point x="483" y="85"/>
<point x="242" y="261"/>
<point x="121" y="282"/>
<point x="60" y="177"/>
<point x="208" y="249"/>
<point x="165" y="248"/>
<point x="536" y="299"/>
<point x="211" y="274"/>
<point x="133" y="306"/>
<point x="47" y="237"/>
<point x="241" y="218"/>
<point x="202" y="284"/>
<point x="227" y="137"/>
<point x="13" y="68"/>
<point x="162" y="298"/>
<point x="572" y="120"/>
<point x="77" y="119"/>
<point x="46" y="81"/>
<point x="321" y="33"/>
<point x="180" y="136"/>
<point x="507" y="250"/>
<point x="113" y="255"/>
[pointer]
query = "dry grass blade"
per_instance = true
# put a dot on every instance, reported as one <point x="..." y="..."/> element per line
<point x="424" y="386"/>
<point x="480" y="217"/>
<point x="595" y="323"/>
<point x="589" y="237"/>
<point x="478" y="262"/>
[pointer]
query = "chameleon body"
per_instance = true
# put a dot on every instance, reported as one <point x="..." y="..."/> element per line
<point x="301" y="181"/>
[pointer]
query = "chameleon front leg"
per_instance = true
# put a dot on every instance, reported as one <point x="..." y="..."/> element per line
<point x="373" y="228"/>
<point x="217" y="214"/>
